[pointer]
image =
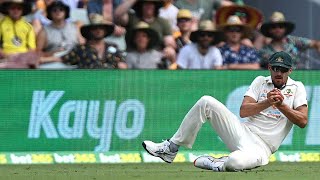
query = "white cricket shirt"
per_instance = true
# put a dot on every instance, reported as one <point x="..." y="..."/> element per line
<point x="270" y="124"/>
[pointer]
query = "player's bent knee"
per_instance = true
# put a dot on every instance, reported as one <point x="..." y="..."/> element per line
<point x="207" y="99"/>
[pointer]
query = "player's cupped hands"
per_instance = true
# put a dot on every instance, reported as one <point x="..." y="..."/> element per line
<point x="275" y="97"/>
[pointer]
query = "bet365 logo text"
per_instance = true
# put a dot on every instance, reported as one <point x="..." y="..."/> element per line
<point x="85" y="115"/>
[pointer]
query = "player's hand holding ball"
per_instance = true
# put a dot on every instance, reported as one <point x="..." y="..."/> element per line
<point x="275" y="97"/>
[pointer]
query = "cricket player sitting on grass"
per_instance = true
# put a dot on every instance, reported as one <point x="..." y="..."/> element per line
<point x="271" y="104"/>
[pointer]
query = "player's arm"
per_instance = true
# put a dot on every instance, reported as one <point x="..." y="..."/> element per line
<point x="250" y="106"/>
<point x="298" y="116"/>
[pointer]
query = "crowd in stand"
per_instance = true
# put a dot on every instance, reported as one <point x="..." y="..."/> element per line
<point x="143" y="34"/>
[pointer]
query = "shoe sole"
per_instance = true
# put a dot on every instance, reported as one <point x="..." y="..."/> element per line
<point x="145" y="147"/>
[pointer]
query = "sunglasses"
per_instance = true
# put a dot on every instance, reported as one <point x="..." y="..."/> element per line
<point x="15" y="7"/>
<point x="233" y="29"/>
<point x="56" y="9"/>
<point x="183" y="20"/>
<point x="277" y="26"/>
<point x="279" y="69"/>
<point x="207" y="34"/>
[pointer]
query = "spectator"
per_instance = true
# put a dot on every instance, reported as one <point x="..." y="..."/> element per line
<point x="201" y="53"/>
<point x="202" y="9"/>
<point x="16" y="34"/>
<point x="39" y="18"/>
<point x="106" y="8"/>
<point x="249" y="16"/>
<point x="17" y="37"/>
<point x="96" y="53"/>
<point x="60" y="36"/>
<point x="236" y="55"/>
<point x="143" y="41"/>
<point x="184" y="23"/>
<point x="169" y="12"/>
<point x="147" y="11"/>
<point x="279" y="30"/>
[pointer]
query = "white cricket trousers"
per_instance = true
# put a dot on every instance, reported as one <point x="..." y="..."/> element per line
<point x="248" y="150"/>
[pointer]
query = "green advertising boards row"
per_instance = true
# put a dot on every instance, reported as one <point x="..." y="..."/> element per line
<point x="114" y="111"/>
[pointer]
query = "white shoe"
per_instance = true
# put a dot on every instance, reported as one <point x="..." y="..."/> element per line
<point x="210" y="163"/>
<point x="160" y="150"/>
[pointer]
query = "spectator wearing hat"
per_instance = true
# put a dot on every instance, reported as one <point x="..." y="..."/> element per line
<point x="39" y="17"/>
<point x="96" y="53"/>
<point x="144" y="55"/>
<point x="16" y="34"/>
<point x="147" y="11"/>
<point x="279" y="30"/>
<point x="59" y="36"/>
<point x="106" y="8"/>
<point x="184" y="23"/>
<point x="249" y="16"/>
<point x="201" y="53"/>
<point x="235" y="54"/>
<point x="203" y="9"/>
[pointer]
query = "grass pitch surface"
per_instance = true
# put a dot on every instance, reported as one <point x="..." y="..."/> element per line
<point x="148" y="171"/>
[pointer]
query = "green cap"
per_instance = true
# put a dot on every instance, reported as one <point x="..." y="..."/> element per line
<point x="281" y="59"/>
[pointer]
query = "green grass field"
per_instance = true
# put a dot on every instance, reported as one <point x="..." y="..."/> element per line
<point x="145" y="171"/>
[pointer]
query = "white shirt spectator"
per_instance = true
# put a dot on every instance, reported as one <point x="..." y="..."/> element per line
<point x="190" y="58"/>
<point x="170" y="13"/>
<point x="146" y="60"/>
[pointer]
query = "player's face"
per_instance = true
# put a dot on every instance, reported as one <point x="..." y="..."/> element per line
<point x="279" y="75"/>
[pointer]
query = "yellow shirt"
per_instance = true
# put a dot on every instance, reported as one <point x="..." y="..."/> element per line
<point x="16" y="37"/>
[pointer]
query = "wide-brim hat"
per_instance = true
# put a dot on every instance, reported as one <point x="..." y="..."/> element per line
<point x="235" y="21"/>
<point x="254" y="16"/>
<point x="145" y="27"/>
<point x="277" y="18"/>
<point x="137" y="7"/>
<point x="209" y="27"/>
<point x="58" y="4"/>
<point x="26" y="6"/>
<point x="97" y="21"/>
<point x="184" y="14"/>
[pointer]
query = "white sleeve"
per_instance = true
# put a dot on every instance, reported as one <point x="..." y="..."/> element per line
<point x="183" y="57"/>
<point x="300" y="96"/>
<point x="255" y="88"/>
<point x="218" y="58"/>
